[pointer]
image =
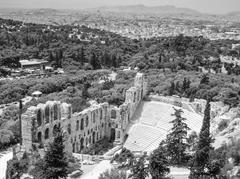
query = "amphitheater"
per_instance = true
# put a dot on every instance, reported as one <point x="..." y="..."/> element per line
<point x="137" y="125"/>
<point x="151" y="123"/>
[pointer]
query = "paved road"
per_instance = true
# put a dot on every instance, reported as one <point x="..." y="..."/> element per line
<point x="97" y="170"/>
<point x="4" y="157"/>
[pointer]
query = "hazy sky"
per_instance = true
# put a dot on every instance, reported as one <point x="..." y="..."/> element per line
<point x="209" y="6"/>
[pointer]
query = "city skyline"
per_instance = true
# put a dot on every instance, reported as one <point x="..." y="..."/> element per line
<point x="204" y="6"/>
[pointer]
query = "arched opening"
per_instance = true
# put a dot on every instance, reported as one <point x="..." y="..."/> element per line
<point x="94" y="117"/>
<point x="81" y="143"/>
<point x="113" y="114"/>
<point x="77" y="126"/>
<point x="55" y="110"/>
<point x="86" y="123"/>
<point x="39" y="117"/>
<point x="118" y="135"/>
<point x="77" y="147"/>
<point x="69" y="112"/>
<point x="69" y="129"/>
<point x="55" y="129"/>
<point x="93" y="137"/>
<point x="90" y="140"/>
<point x="39" y="137"/>
<point x="46" y="134"/>
<point x="86" y="141"/>
<point x="101" y="114"/>
<point x="47" y="115"/>
<point x="73" y="147"/>
<point x="82" y="124"/>
<point x="112" y="135"/>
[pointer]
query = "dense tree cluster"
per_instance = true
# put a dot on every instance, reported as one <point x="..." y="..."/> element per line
<point x="220" y="87"/>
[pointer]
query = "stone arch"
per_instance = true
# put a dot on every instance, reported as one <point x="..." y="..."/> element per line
<point x="118" y="134"/>
<point x="46" y="134"/>
<point x="77" y="125"/>
<point x="81" y="143"/>
<point x="86" y="122"/>
<point x="90" y="140"/>
<point x="82" y="124"/>
<point x="39" y="137"/>
<point x="94" y="115"/>
<point x="69" y="112"/>
<point x="113" y="114"/>
<point x="69" y="129"/>
<point x="55" y="129"/>
<point x="73" y="147"/>
<point x="55" y="111"/>
<point x="39" y="117"/>
<point x="86" y="141"/>
<point x="51" y="113"/>
<point x="101" y="114"/>
<point x="93" y="137"/>
<point x="47" y="114"/>
<point x="112" y="135"/>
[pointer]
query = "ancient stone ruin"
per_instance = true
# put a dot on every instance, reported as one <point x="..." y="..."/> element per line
<point x="84" y="128"/>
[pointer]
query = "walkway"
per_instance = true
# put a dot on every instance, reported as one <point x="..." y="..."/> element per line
<point x="4" y="157"/>
<point x="97" y="170"/>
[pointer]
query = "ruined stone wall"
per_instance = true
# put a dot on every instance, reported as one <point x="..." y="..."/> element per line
<point x="125" y="112"/>
<point x="81" y="129"/>
<point x="84" y="128"/>
<point x="39" y="122"/>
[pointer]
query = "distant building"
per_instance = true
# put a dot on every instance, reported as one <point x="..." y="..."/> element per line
<point x="33" y="64"/>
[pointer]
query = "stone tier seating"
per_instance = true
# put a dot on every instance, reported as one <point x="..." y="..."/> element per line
<point x="152" y="123"/>
<point x="143" y="138"/>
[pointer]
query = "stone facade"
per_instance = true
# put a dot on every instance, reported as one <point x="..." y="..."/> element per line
<point x="84" y="128"/>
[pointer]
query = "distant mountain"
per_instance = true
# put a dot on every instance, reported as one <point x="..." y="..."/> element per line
<point x="141" y="9"/>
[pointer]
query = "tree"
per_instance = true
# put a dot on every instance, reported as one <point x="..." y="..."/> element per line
<point x="82" y="56"/>
<point x="176" y="142"/>
<point x="15" y="167"/>
<point x="95" y="62"/>
<point x="54" y="164"/>
<point x="172" y="88"/>
<point x="124" y="159"/>
<point x="200" y="160"/>
<point x="113" y="174"/>
<point x="139" y="167"/>
<point x="158" y="163"/>
<point x="204" y="79"/>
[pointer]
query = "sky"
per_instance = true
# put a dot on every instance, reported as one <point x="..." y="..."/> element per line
<point x="205" y="6"/>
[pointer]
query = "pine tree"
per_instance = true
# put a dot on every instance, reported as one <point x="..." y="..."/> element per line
<point x="158" y="163"/>
<point x="201" y="161"/>
<point x="176" y="142"/>
<point x="95" y="62"/>
<point x="114" y="61"/>
<point x="55" y="159"/>
<point x="172" y="88"/>
<point x="82" y="56"/>
<point x="204" y="79"/>
<point x="184" y="85"/>
<point x="139" y="167"/>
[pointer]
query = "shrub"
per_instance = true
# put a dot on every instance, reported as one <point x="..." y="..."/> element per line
<point x="222" y="125"/>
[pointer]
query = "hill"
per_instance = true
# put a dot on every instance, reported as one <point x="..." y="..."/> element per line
<point x="141" y="9"/>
